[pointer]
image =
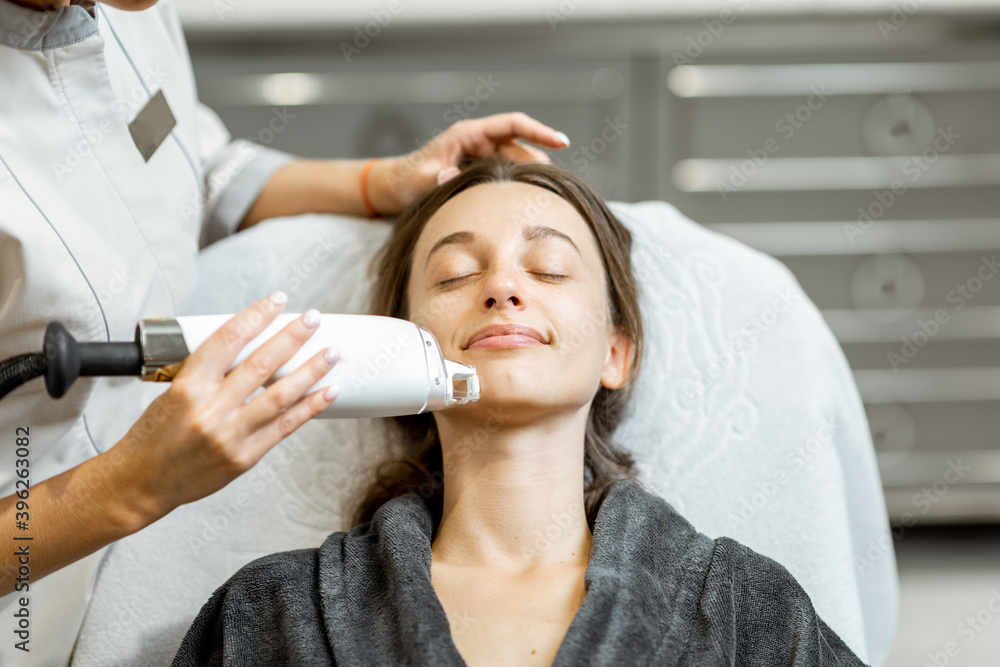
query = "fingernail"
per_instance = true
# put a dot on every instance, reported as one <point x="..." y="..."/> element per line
<point x="331" y="355"/>
<point x="311" y="318"/>
<point x="563" y="138"/>
<point x="279" y="298"/>
<point x="330" y="393"/>
<point x="447" y="174"/>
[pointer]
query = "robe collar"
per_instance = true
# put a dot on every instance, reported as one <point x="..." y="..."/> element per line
<point x="643" y="584"/>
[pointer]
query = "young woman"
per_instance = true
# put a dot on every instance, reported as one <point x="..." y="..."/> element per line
<point x="516" y="532"/>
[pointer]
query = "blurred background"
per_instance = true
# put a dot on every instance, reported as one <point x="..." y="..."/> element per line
<point x="856" y="141"/>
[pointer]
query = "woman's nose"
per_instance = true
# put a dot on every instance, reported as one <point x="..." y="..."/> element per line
<point x="503" y="288"/>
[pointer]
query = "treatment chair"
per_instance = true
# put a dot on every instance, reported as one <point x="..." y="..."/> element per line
<point x="745" y="418"/>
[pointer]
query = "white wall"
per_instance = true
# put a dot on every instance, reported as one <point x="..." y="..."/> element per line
<point x="236" y="14"/>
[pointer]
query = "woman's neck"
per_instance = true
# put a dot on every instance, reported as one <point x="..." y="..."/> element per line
<point x="513" y="493"/>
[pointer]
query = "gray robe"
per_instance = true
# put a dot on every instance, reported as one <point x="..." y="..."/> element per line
<point x="658" y="592"/>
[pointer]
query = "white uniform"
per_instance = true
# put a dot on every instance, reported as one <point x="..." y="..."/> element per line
<point x="97" y="238"/>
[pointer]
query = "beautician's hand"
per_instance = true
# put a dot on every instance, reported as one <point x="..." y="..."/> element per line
<point x="199" y="435"/>
<point x="193" y="440"/>
<point x="398" y="182"/>
<point x="393" y="183"/>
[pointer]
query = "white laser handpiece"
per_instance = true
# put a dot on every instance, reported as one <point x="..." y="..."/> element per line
<point x="388" y="366"/>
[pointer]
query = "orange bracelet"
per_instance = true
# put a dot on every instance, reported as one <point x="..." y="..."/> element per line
<point x="364" y="188"/>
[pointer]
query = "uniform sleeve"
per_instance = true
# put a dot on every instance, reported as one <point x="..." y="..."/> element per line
<point x="268" y="613"/>
<point x="754" y="613"/>
<point x="235" y="173"/>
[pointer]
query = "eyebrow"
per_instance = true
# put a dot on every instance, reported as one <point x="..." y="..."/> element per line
<point x="531" y="233"/>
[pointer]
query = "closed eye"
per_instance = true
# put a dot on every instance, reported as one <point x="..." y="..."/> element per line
<point x="554" y="276"/>
<point x="453" y="280"/>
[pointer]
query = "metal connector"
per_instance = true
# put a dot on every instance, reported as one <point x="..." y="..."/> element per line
<point x="162" y="344"/>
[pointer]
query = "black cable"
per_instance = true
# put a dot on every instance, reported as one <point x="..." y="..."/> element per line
<point x="17" y="370"/>
<point x="64" y="360"/>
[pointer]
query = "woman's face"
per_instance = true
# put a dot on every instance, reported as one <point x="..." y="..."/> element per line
<point x="514" y="253"/>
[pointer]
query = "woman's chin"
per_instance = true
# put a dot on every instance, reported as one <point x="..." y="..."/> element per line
<point x="507" y="407"/>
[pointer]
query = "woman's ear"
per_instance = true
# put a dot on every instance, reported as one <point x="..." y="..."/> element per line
<point x="619" y="359"/>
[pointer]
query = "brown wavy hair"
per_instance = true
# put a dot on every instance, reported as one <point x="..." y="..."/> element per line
<point x="422" y="470"/>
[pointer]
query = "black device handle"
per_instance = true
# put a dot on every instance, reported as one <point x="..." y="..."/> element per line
<point x="66" y="359"/>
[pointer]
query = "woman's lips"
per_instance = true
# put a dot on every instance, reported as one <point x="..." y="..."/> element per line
<point x="511" y="340"/>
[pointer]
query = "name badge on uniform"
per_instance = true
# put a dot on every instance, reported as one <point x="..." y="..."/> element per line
<point x="153" y="124"/>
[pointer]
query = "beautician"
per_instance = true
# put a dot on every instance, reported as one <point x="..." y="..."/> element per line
<point x="112" y="178"/>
